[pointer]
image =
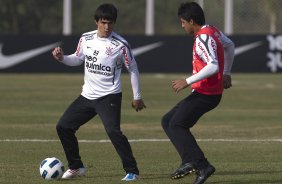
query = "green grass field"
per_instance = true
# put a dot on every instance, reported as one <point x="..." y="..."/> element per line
<point x="242" y="137"/>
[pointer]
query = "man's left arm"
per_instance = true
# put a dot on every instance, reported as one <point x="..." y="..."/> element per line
<point x="137" y="102"/>
<point x="229" y="49"/>
<point x="131" y="65"/>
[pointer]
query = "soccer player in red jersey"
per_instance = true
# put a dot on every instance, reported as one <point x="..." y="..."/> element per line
<point x="213" y="55"/>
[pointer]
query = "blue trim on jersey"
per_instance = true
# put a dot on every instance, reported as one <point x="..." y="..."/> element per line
<point x="124" y="43"/>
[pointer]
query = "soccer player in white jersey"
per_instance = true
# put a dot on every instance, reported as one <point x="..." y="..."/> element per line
<point x="103" y="53"/>
<point x="213" y="55"/>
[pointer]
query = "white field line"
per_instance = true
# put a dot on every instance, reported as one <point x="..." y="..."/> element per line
<point x="143" y="140"/>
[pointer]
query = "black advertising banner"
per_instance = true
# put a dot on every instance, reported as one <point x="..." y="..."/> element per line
<point x="154" y="54"/>
<point x="258" y="53"/>
<point x="23" y="54"/>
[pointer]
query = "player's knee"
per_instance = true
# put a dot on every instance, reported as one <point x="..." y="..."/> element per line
<point x="112" y="132"/>
<point x="59" y="127"/>
<point x="66" y="125"/>
<point x="64" y="131"/>
<point x="180" y="124"/>
<point x="165" y="122"/>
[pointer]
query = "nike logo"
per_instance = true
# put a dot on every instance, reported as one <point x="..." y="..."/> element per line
<point x="141" y="50"/>
<point x="245" y="48"/>
<point x="238" y="50"/>
<point x="11" y="60"/>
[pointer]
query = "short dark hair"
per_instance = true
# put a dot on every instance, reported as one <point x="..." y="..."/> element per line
<point x="106" y="11"/>
<point x="191" y="10"/>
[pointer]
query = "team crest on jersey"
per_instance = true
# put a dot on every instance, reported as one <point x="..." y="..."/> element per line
<point x="109" y="50"/>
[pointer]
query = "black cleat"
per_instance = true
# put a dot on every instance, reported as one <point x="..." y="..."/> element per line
<point x="203" y="174"/>
<point x="182" y="171"/>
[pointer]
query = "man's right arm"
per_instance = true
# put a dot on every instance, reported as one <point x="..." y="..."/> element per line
<point x="71" y="60"/>
<point x="58" y="54"/>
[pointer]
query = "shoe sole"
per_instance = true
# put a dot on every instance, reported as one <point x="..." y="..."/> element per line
<point x="137" y="178"/>
<point x="74" y="176"/>
<point x="131" y="180"/>
<point x="179" y="176"/>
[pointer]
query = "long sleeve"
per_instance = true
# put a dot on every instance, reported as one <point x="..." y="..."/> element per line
<point x="229" y="48"/>
<point x="131" y="65"/>
<point x="210" y="69"/>
<point x="135" y="82"/>
<point x="72" y="60"/>
<point x="76" y="58"/>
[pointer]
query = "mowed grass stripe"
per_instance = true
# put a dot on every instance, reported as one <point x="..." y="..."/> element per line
<point x="143" y="140"/>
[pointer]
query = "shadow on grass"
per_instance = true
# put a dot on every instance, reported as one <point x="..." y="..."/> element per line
<point x="223" y="173"/>
<point x="154" y="176"/>
<point x="220" y="177"/>
<point x="158" y="176"/>
<point x="247" y="181"/>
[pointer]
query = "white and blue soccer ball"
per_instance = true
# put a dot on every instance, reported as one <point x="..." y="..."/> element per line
<point x="51" y="168"/>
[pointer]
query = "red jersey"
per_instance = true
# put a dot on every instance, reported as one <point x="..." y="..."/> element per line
<point x="212" y="85"/>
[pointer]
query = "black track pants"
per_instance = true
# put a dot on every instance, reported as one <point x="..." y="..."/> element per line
<point x="81" y="111"/>
<point x="178" y="121"/>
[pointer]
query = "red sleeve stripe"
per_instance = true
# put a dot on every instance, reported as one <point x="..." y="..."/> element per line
<point x="125" y="56"/>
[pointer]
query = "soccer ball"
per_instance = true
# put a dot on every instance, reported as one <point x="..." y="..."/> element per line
<point x="51" y="168"/>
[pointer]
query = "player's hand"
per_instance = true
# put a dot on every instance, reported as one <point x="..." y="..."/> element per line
<point x="227" y="81"/>
<point x="58" y="54"/>
<point x="138" y="105"/>
<point x="178" y="85"/>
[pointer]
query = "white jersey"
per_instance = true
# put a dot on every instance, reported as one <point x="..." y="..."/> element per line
<point x="103" y="59"/>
